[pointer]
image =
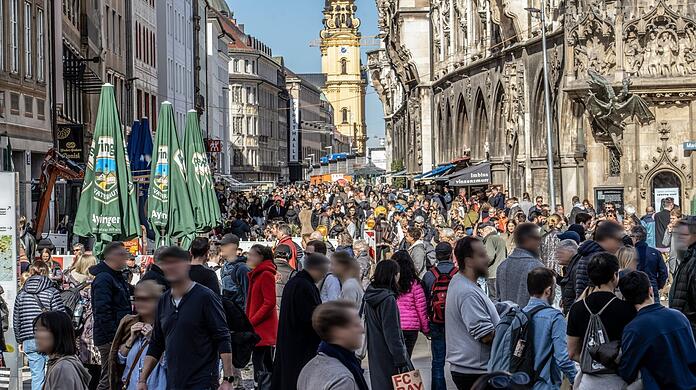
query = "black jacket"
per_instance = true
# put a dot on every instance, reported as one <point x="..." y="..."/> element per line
<point x="110" y="302"/>
<point x="385" y="342"/>
<point x="682" y="294"/>
<point x="297" y="341"/>
<point x="586" y="250"/>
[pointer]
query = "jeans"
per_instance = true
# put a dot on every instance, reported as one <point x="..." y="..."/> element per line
<point x="37" y="364"/>
<point x="464" y="381"/>
<point x="438" y="349"/>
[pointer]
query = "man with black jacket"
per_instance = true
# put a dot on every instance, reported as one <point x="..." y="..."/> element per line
<point x="110" y="302"/>
<point x="608" y="237"/>
<point x="682" y="294"/>
<point x="191" y="326"/>
<point x="297" y="340"/>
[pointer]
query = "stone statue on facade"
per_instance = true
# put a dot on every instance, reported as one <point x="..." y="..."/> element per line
<point x="608" y="111"/>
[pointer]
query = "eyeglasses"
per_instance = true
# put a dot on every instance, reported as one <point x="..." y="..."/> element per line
<point x="503" y="380"/>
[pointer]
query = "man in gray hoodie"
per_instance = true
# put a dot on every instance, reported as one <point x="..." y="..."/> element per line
<point x="511" y="276"/>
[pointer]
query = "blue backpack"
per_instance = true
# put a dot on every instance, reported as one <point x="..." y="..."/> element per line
<point x="513" y="345"/>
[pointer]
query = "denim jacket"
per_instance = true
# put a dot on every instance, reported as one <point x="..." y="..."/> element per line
<point x="550" y="338"/>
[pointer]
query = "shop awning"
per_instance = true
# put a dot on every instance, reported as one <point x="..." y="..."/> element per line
<point x="401" y="173"/>
<point x="473" y="175"/>
<point x="435" y="173"/>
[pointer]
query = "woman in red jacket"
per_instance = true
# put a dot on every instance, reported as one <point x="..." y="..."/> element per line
<point x="261" y="310"/>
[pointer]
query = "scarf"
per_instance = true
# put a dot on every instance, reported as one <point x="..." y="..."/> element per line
<point x="348" y="359"/>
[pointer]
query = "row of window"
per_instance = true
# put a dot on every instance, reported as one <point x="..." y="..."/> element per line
<point x="178" y="26"/>
<point x="114" y="29"/>
<point x="71" y="10"/>
<point x="146" y="107"/>
<point x="31" y="106"/>
<point x="243" y="66"/>
<point x="240" y="95"/>
<point x="251" y="157"/>
<point x="30" y="43"/>
<point x="145" y="49"/>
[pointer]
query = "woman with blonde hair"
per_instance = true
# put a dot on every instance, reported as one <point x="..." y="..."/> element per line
<point x="78" y="277"/>
<point x="628" y="259"/>
<point x="130" y="345"/>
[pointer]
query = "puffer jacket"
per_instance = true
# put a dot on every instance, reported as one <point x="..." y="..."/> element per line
<point x="413" y="309"/>
<point x="586" y="250"/>
<point x="27" y="307"/>
<point x="682" y="294"/>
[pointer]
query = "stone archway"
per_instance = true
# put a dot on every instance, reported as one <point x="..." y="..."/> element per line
<point x="480" y="134"/>
<point x="665" y="183"/>
<point x="538" y="123"/>
<point x="497" y="137"/>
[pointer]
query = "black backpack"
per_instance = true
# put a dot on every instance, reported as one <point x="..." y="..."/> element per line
<point x="75" y="306"/>
<point x="243" y="337"/>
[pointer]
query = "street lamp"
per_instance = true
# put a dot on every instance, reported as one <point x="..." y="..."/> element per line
<point x="547" y="103"/>
<point x="310" y="157"/>
<point x="330" y="149"/>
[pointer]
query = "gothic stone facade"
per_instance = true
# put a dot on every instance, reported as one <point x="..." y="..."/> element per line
<point x="488" y="96"/>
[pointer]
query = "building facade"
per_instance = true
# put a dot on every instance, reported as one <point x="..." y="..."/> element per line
<point x="218" y="39"/>
<point x="254" y="115"/>
<point x="175" y="72"/>
<point x="143" y="62"/>
<point x="25" y="94"/>
<point x="484" y="72"/>
<point x="345" y="80"/>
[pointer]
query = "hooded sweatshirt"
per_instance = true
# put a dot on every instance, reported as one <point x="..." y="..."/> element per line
<point x="37" y="295"/>
<point x="110" y="302"/>
<point x="66" y="373"/>
<point x="385" y="342"/>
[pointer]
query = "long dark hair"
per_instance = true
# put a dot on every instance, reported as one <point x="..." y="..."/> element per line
<point x="408" y="271"/>
<point x="385" y="276"/>
<point x="60" y="326"/>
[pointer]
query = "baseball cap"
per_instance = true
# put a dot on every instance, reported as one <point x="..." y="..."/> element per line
<point x="229" y="238"/>
<point x="443" y="251"/>
<point x="488" y="223"/>
<point x="419" y="219"/>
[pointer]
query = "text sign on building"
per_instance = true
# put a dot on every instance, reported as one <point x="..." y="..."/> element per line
<point x="690" y="146"/>
<point x="294" y="131"/>
<point x="214" y="145"/>
<point x="606" y="195"/>
<point x="70" y="141"/>
<point x="9" y="182"/>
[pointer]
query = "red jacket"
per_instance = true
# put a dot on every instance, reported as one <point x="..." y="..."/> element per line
<point x="261" y="303"/>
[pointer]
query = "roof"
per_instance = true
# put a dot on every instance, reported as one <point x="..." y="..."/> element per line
<point x="220" y="5"/>
<point x="316" y="79"/>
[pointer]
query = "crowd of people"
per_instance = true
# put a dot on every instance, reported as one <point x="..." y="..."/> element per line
<point x="509" y="293"/>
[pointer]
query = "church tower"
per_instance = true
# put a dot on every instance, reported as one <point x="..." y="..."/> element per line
<point x="340" y="62"/>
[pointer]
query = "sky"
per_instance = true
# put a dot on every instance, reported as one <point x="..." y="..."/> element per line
<point x="288" y="27"/>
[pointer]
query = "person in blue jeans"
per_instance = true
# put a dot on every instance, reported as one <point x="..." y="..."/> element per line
<point x="438" y="348"/>
<point x="38" y="295"/>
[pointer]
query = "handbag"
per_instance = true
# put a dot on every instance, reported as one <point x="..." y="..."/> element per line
<point x="407" y="380"/>
<point x="135" y="362"/>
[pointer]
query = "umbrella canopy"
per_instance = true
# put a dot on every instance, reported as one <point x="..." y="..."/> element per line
<point x="200" y="180"/>
<point x="108" y="208"/>
<point x="168" y="203"/>
<point x="140" y="147"/>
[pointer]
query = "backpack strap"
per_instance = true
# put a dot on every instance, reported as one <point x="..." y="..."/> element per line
<point x="584" y="301"/>
<point x="135" y="362"/>
<point x="38" y="300"/>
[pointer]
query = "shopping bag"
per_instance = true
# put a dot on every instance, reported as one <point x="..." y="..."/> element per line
<point x="408" y="381"/>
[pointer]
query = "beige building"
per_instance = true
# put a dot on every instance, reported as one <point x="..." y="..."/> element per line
<point x="484" y="73"/>
<point x="345" y="82"/>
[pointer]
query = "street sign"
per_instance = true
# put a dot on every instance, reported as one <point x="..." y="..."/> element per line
<point x="690" y="146"/>
<point x="214" y="145"/>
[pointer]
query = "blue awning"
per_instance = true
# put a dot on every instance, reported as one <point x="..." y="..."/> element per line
<point x="438" y="171"/>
